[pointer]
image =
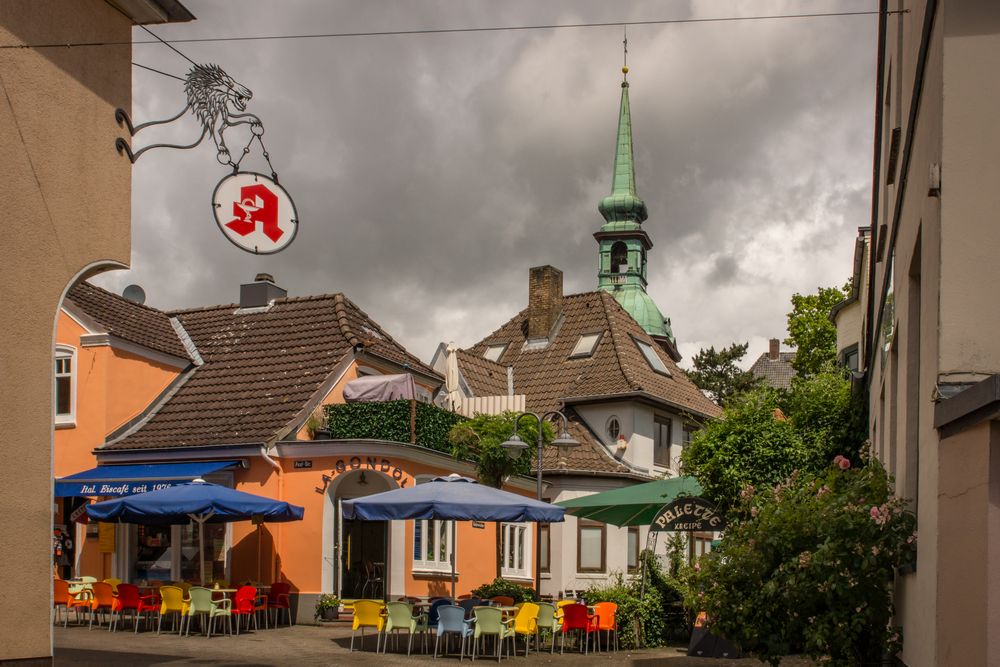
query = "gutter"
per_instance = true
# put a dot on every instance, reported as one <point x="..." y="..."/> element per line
<point x="641" y="395"/>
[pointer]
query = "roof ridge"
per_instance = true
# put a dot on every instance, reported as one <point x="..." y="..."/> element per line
<point x="340" y="310"/>
<point x="613" y="328"/>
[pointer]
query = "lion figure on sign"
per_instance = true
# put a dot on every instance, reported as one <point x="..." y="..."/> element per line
<point x="215" y="99"/>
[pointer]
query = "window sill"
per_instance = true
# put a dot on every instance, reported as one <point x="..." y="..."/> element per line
<point x="516" y="577"/>
<point x="66" y="424"/>
<point x="428" y="573"/>
<point x="591" y="575"/>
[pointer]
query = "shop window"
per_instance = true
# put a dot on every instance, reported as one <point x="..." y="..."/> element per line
<point x="544" y="536"/>
<point x="591" y="543"/>
<point x="652" y="358"/>
<point x="661" y="444"/>
<point x="65" y="379"/>
<point x="432" y="545"/>
<point x="633" y="549"/>
<point x="515" y="545"/>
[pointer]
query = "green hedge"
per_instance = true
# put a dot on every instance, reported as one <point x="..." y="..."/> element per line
<point x="506" y="588"/>
<point x="390" y="420"/>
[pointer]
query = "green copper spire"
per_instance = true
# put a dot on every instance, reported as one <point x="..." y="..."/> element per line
<point x="622" y="240"/>
<point x="623" y="209"/>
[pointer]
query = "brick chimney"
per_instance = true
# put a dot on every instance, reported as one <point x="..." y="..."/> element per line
<point x="545" y="299"/>
<point x="772" y="354"/>
<point x="260" y="292"/>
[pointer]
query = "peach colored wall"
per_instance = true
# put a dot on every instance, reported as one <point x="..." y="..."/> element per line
<point x="134" y="382"/>
<point x="296" y="548"/>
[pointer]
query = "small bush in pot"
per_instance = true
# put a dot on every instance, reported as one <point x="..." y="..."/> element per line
<point x="327" y="608"/>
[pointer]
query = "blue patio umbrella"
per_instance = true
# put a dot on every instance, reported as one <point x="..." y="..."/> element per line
<point x="452" y="498"/>
<point x="198" y="501"/>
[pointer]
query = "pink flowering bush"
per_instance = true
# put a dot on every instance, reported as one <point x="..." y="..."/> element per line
<point x="808" y="568"/>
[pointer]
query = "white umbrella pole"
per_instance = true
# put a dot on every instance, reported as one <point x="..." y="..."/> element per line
<point x="452" y="560"/>
<point x="200" y="519"/>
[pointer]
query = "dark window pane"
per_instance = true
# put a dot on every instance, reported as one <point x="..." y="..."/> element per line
<point x="63" y="403"/>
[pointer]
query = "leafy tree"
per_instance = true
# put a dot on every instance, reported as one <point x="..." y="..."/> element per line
<point x="752" y="444"/>
<point x="829" y="416"/>
<point x="810" y="330"/>
<point x="478" y="439"/>
<point x="810" y="569"/>
<point x="719" y="373"/>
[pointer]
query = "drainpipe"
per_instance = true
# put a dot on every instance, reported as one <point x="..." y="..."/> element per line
<point x="281" y="495"/>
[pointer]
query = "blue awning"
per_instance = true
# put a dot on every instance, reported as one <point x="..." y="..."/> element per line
<point x="126" y="480"/>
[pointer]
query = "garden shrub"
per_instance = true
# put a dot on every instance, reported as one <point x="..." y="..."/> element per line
<point x="500" y="586"/>
<point x="810" y="568"/>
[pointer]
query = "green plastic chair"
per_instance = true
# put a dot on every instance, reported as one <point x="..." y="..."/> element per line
<point x="546" y="620"/>
<point x="489" y="621"/>
<point x="399" y="616"/>
<point x="202" y="604"/>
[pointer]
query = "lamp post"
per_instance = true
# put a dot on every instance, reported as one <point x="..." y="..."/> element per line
<point x="514" y="446"/>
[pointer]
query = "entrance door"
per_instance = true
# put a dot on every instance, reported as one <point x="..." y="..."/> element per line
<point x="363" y="556"/>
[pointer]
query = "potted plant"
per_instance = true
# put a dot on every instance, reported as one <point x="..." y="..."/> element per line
<point x="327" y="607"/>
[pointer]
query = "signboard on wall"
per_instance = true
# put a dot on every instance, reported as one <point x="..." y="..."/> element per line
<point x="106" y="537"/>
<point x="691" y="513"/>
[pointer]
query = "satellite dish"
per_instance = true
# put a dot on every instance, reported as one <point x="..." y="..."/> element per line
<point x="135" y="294"/>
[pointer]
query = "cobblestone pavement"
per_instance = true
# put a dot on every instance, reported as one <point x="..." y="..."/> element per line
<point x="310" y="645"/>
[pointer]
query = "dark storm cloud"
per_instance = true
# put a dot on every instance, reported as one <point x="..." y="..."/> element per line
<point x="431" y="171"/>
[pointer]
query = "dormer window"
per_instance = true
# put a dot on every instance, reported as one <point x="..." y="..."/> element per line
<point x="585" y="346"/>
<point x="652" y="358"/>
<point x="494" y="352"/>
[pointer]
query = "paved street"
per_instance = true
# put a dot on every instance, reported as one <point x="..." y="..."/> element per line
<point x="304" y="645"/>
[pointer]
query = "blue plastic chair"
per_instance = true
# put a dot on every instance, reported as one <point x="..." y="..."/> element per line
<point x="432" y="613"/>
<point x="451" y="620"/>
<point x="467" y="605"/>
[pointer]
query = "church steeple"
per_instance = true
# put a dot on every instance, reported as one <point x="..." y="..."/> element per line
<point x="622" y="241"/>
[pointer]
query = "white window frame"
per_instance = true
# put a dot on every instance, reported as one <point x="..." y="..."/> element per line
<point x="65" y="419"/>
<point x="432" y="528"/>
<point x="520" y="535"/>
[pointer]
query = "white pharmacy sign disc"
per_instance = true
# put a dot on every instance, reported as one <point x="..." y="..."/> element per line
<point x="255" y="213"/>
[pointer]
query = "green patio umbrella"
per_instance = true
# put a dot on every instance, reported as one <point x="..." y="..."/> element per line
<point x="631" y="505"/>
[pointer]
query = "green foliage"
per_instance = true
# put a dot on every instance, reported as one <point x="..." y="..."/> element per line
<point x="326" y="601"/>
<point x="500" y="586"/>
<point x="810" y="330"/>
<point x="810" y="569"/>
<point x="390" y="420"/>
<point x="748" y="445"/>
<point x="478" y="439"/>
<point x="830" y="417"/>
<point x="719" y="373"/>
<point x="647" y="617"/>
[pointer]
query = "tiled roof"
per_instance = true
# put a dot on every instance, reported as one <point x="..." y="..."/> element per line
<point x="484" y="377"/>
<point x="590" y="457"/>
<point x="127" y="320"/>
<point x="547" y="376"/>
<point x="777" y="373"/>
<point x="261" y="368"/>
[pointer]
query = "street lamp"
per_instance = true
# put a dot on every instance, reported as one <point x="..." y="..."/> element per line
<point x="514" y="446"/>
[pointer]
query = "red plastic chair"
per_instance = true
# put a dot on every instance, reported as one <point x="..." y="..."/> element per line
<point x="604" y="612"/>
<point x="576" y="617"/>
<point x="277" y="599"/>
<point x="129" y="599"/>
<point x="248" y="603"/>
<point x="60" y="598"/>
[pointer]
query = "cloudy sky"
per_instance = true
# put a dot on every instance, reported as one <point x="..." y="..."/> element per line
<point x="431" y="171"/>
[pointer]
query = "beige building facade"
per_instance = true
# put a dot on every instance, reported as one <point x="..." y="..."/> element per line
<point x="66" y="196"/>
<point x="923" y="318"/>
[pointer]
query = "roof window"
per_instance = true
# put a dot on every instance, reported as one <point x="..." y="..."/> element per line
<point x="585" y="346"/>
<point x="652" y="358"/>
<point x="493" y="352"/>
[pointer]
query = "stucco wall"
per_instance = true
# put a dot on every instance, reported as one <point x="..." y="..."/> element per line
<point x="66" y="203"/>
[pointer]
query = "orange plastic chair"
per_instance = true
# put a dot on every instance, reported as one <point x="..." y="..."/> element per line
<point x="103" y="600"/>
<point x="604" y="612"/>
<point x="502" y="600"/>
<point x="60" y="598"/>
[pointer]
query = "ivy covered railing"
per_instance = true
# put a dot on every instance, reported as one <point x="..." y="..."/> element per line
<point x="398" y="421"/>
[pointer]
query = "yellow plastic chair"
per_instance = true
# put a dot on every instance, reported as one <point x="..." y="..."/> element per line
<point x="368" y="614"/>
<point x="114" y="583"/>
<point x="526" y="623"/>
<point x="172" y="602"/>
